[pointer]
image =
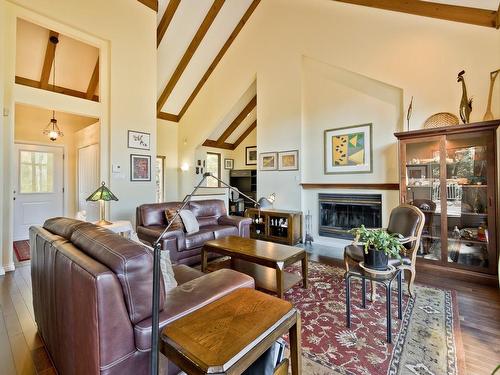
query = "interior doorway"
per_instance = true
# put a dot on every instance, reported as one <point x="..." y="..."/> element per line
<point x="38" y="186"/>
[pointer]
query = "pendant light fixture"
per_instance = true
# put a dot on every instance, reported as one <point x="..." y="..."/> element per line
<point x="52" y="130"/>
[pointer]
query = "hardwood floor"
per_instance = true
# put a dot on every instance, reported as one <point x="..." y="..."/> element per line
<point x="22" y="351"/>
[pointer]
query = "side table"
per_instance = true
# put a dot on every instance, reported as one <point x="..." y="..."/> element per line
<point x="386" y="280"/>
<point x="229" y="334"/>
<point x="123" y="227"/>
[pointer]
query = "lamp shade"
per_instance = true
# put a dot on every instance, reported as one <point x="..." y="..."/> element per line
<point x="102" y="194"/>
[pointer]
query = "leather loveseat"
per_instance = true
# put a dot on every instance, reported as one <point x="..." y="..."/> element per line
<point x="186" y="248"/>
<point x="92" y="292"/>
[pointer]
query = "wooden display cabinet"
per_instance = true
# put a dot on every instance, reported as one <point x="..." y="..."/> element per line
<point x="450" y="173"/>
<point x="280" y="226"/>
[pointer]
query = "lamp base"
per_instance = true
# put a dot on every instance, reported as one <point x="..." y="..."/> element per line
<point x="103" y="223"/>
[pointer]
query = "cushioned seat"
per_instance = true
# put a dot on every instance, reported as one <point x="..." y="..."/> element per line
<point x="191" y="296"/>
<point x="197" y="239"/>
<point x="396" y="262"/>
<point x="221" y="231"/>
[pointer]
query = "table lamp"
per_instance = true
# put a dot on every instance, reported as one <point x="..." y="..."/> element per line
<point x="102" y="194"/>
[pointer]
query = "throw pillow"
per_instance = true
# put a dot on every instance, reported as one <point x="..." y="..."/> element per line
<point x="167" y="270"/>
<point x="189" y="221"/>
<point x="177" y="224"/>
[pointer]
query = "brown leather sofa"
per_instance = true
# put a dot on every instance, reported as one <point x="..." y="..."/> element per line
<point x="92" y="292"/>
<point x="186" y="248"/>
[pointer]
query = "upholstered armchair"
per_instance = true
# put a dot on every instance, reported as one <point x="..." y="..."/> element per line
<point x="408" y="221"/>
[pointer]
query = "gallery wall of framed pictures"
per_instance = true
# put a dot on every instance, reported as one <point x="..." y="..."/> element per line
<point x="281" y="161"/>
<point x="140" y="165"/>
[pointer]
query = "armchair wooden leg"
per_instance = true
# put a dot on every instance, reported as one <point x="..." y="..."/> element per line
<point x="411" y="288"/>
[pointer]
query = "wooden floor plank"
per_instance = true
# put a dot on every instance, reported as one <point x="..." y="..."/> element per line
<point x="6" y="359"/>
<point x="22" y="355"/>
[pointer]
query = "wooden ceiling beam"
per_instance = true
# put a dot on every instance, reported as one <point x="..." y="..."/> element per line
<point x="498" y="17"/>
<point x="245" y="134"/>
<point x="238" y="120"/>
<point x="473" y="16"/>
<point x="58" y="89"/>
<point x="193" y="46"/>
<point x="225" y="146"/>
<point x="244" y="19"/>
<point x="94" y="80"/>
<point x="168" y="116"/>
<point x="166" y="19"/>
<point x="48" y="61"/>
<point x="152" y="4"/>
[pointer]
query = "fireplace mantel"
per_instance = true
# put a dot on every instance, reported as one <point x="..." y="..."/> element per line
<point x="386" y="186"/>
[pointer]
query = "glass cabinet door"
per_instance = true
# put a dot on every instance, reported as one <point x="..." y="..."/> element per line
<point x="421" y="184"/>
<point x="468" y="197"/>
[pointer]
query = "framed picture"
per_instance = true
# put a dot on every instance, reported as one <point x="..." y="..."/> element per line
<point x="139" y="140"/>
<point x="288" y="160"/>
<point x="251" y="155"/>
<point x="140" y="167"/>
<point x="228" y="163"/>
<point x="268" y="161"/>
<point x="348" y="149"/>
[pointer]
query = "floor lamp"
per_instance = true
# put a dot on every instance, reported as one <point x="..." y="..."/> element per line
<point x="155" y="328"/>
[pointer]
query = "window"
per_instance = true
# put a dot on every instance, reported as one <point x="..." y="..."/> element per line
<point x="213" y="166"/>
<point x="37" y="172"/>
<point x="160" y="179"/>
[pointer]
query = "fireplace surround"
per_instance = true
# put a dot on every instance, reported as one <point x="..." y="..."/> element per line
<point x="338" y="213"/>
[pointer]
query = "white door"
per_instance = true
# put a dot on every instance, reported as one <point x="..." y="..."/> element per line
<point x="38" y="186"/>
<point x="88" y="180"/>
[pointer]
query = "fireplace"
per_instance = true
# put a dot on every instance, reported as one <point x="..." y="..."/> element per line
<point x="338" y="213"/>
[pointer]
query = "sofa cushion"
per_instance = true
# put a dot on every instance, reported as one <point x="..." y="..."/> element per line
<point x="131" y="262"/>
<point x="183" y="273"/>
<point x="197" y="239"/>
<point x="176" y="220"/>
<point x="208" y="211"/>
<point x="191" y="296"/>
<point x="189" y="220"/>
<point x="221" y="231"/>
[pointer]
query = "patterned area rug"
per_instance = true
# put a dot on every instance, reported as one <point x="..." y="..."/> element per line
<point x="22" y="250"/>
<point x="427" y="341"/>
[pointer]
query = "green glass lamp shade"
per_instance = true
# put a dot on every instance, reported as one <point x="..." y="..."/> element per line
<point x="102" y="194"/>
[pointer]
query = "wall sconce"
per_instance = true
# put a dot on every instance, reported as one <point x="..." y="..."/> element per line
<point x="185" y="167"/>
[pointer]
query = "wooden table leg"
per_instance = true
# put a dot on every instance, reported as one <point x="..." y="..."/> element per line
<point x="305" y="271"/>
<point x="295" y="347"/>
<point x="280" y="276"/>
<point x="204" y="259"/>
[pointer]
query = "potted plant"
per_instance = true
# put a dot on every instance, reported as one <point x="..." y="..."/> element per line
<point x="379" y="245"/>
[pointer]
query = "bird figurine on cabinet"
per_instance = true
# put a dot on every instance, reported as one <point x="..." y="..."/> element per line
<point x="465" y="103"/>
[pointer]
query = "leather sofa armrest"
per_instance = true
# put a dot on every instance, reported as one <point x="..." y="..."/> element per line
<point x="242" y="223"/>
<point x="173" y="240"/>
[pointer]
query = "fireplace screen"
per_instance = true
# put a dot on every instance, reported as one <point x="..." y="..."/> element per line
<point x="338" y="213"/>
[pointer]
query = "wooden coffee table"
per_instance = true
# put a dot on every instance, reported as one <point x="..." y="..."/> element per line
<point x="228" y="335"/>
<point x="264" y="261"/>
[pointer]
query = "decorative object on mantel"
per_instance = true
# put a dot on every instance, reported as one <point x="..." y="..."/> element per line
<point x="409" y="113"/>
<point x="489" y="115"/>
<point x="441" y="119"/>
<point x="348" y="150"/>
<point x="465" y="102"/>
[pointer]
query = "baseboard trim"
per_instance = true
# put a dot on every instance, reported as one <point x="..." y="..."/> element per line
<point x="9" y="267"/>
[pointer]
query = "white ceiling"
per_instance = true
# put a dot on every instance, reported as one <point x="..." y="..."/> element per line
<point x="185" y="23"/>
<point x="75" y="61"/>
<point x="233" y="113"/>
<point x="482" y="4"/>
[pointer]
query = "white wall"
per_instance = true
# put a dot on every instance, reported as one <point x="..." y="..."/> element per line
<point x="125" y="33"/>
<point x="321" y="64"/>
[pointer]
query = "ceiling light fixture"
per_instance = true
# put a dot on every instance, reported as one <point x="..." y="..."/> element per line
<point x="52" y="130"/>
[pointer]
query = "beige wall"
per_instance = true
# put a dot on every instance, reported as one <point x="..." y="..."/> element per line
<point x="125" y="33"/>
<point x="167" y="146"/>
<point x="352" y="49"/>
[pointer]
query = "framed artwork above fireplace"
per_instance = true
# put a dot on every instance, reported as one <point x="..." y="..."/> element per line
<point x="348" y="149"/>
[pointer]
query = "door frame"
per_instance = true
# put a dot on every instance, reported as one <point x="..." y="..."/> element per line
<point x="64" y="170"/>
